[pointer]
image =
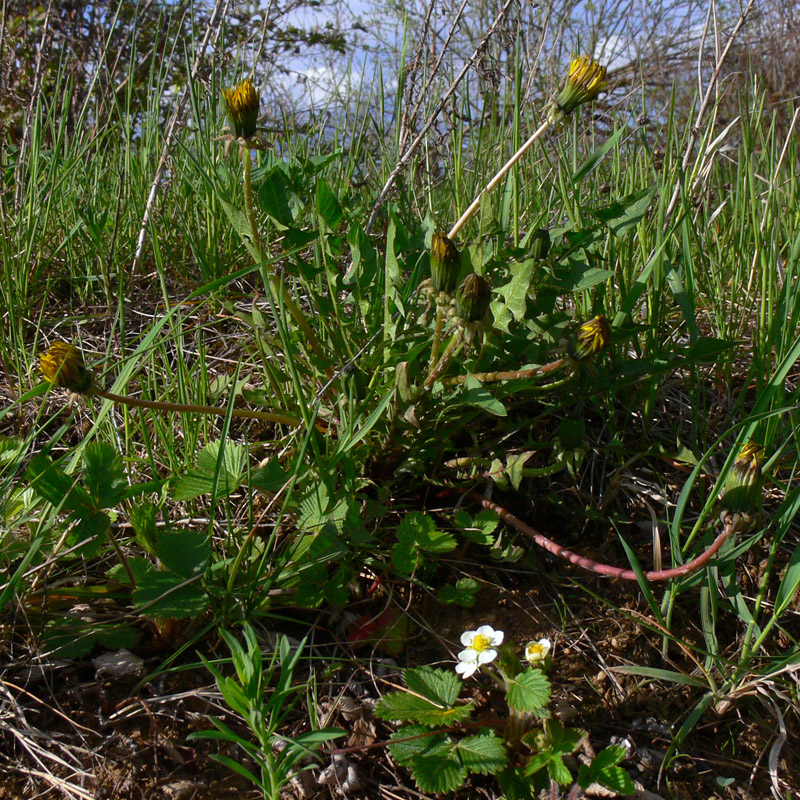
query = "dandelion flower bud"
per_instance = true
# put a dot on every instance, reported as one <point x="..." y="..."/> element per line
<point x="592" y="337"/>
<point x="585" y="81"/>
<point x="540" y="244"/>
<point x="742" y="492"/>
<point x="63" y="366"/>
<point x="472" y="298"/>
<point x="445" y="264"/>
<point x="241" y="105"/>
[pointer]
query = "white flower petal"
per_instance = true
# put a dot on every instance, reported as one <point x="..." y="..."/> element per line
<point x="485" y="630"/>
<point x="467" y="637"/>
<point x="468" y="655"/>
<point x="466" y="668"/>
<point x="497" y="639"/>
<point x="486" y="656"/>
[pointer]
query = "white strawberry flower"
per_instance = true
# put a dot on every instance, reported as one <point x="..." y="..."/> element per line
<point x="536" y="652"/>
<point x="480" y="649"/>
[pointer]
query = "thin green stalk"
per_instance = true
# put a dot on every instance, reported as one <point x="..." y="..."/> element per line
<point x="292" y="307"/>
<point x="437" y="335"/>
<point x="247" y="158"/>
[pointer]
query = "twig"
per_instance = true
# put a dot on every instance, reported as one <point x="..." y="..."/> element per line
<point x="406" y="157"/>
<point x="704" y="105"/>
<point x="171" y="126"/>
<point x="37" y="88"/>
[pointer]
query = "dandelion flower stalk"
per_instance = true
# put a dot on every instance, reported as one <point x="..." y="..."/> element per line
<point x="63" y="366"/>
<point x="248" y="197"/>
<point x="242" y="107"/>
<point x="453" y="348"/>
<point x="586" y="79"/>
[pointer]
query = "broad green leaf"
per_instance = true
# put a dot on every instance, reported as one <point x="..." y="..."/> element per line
<point x="143" y="520"/>
<point x="479" y="529"/>
<point x="514" y="294"/>
<point x="440" y="686"/>
<point x="405" y="557"/>
<point x="408" y="741"/>
<point x="365" y="259"/>
<point x="185" y="552"/>
<point x="789" y="583"/>
<point x="516" y="786"/>
<point x="11" y="448"/>
<point x="558" y="770"/>
<point x="609" y="757"/>
<point x="241" y="224"/>
<point x="103" y="473"/>
<point x="414" y="526"/>
<point x="269" y="478"/>
<point x="475" y="393"/>
<point x="314" y="508"/>
<point x="580" y="275"/>
<point x="537" y="761"/>
<point x="160" y="593"/>
<point x="462" y="594"/>
<point x="114" y="637"/>
<point x="54" y="485"/>
<point x="92" y="526"/>
<point x="484" y="753"/>
<point x="529" y="691"/>
<point x="233" y="461"/>
<point x="273" y="197"/>
<point x="684" y="300"/>
<point x="515" y="464"/>
<point x="68" y="638"/>
<point x="438" y="769"/>
<point x="328" y="206"/>
<point x="201" y="481"/>
<point x="406" y="707"/>
<point x="616" y="779"/>
<point x="191" y="485"/>
<point x="625" y="213"/>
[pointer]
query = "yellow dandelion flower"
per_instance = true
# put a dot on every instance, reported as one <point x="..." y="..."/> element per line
<point x="586" y="79"/>
<point x="241" y="105"/>
<point x="592" y="337"/>
<point x="63" y="366"/>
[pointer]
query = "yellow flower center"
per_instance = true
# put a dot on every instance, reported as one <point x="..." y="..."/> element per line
<point x="535" y="652"/>
<point x="481" y="643"/>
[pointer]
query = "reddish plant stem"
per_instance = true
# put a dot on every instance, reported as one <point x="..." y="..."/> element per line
<point x="731" y="525"/>
<point x="517" y="374"/>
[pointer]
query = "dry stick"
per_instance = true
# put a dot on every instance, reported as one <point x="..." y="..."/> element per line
<point x="462" y="220"/>
<point x="606" y="569"/>
<point x="406" y="157"/>
<point x="37" y="88"/>
<point x="171" y="126"/>
<point x="704" y="105"/>
<point x="424" y="93"/>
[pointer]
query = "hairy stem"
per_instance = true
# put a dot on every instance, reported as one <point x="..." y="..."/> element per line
<point x="730" y="526"/>
<point x="488" y="377"/>
<point x="157" y="405"/>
